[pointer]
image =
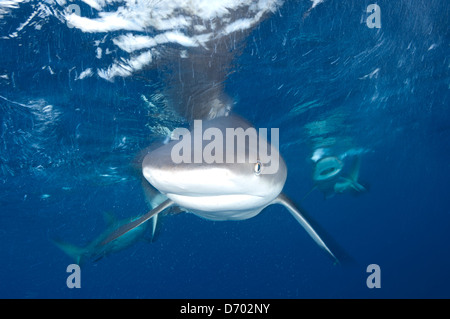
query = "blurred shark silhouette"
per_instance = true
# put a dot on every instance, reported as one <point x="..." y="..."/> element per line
<point x="95" y="250"/>
<point x="329" y="178"/>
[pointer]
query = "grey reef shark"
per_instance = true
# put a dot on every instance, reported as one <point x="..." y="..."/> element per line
<point x="233" y="189"/>
<point x="222" y="186"/>
<point x="96" y="250"/>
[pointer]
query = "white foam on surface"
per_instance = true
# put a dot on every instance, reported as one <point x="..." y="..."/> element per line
<point x="139" y="30"/>
<point x="126" y="68"/>
<point x="150" y="24"/>
<point x="85" y="74"/>
<point x="315" y="3"/>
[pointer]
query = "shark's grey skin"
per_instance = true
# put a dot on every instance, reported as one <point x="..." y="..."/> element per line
<point x="217" y="191"/>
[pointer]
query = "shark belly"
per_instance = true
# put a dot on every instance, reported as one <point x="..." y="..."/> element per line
<point x="221" y="207"/>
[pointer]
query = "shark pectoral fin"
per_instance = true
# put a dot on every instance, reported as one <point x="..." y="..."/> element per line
<point x="354" y="172"/>
<point x="346" y="184"/>
<point x="290" y="206"/>
<point x="358" y="187"/>
<point x="136" y="223"/>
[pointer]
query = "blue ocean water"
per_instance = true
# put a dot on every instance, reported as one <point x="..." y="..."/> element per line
<point x="313" y="69"/>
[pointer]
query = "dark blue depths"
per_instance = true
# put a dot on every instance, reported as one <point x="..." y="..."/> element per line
<point x="68" y="146"/>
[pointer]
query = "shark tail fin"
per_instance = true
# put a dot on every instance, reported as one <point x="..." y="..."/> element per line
<point x="290" y="206"/>
<point x="75" y="252"/>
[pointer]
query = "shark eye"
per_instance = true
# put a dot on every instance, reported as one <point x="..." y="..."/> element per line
<point x="257" y="168"/>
